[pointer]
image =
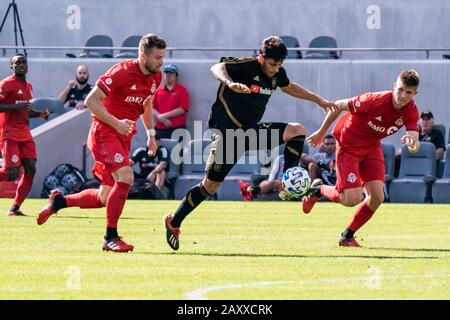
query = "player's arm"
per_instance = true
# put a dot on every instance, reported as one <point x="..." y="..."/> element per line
<point x="297" y="91"/>
<point x="147" y="121"/>
<point x="94" y="103"/>
<point x="23" y="106"/>
<point x="173" y="113"/>
<point x="219" y="72"/>
<point x="316" y="138"/>
<point x="411" y="139"/>
<point x="63" y="94"/>
<point x="39" y="114"/>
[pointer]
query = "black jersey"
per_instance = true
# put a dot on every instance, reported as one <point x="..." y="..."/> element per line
<point x="148" y="163"/>
<point x="246" y="110"/>
<point x="435" y="137"/>
<point x="76" y="95"/>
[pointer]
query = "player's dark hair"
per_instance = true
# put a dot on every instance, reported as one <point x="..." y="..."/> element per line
<point x="328" y="136"/>
<point x="273" y="48"/>
<point x="16" y="55"/>
<point x="410" y="77"/>
<point x="150" y="41"/>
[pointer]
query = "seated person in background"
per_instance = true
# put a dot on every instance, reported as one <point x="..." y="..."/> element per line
<point x="426" y="134"/>
<point x="323" y="164"/>
<point x="77" y="90"/>
<point x="271" y="185"/>
<point x="153" y="168"/>
<point x="430" y="134"/>
<point x="170" y="104"/>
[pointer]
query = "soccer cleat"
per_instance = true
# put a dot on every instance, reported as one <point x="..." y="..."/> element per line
<point x="348" y="242"/>
<point x="246" y="190"/>
<point x="16" y="213"/>
<point x="117" y="245"/>
<point x="312" y="196"/>
<point x="172" y="234"/>
<point x="48" y="210"/>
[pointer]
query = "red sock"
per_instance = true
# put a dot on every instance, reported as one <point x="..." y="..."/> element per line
<point x="330" y="193"/>
<point x="23" y="189"/>
<point x="362" y="215"/>
<point x="88" y="198"/>
<point x="115" y="203"/>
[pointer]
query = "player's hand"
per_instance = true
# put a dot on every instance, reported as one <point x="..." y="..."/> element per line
<point x="125" y="127"/>
<point x="315" y="139"/>
<point x="151" y="144"/>
<point x="410" y="142"/>
<point x="328" y="105"/>
<point x="71" y="83"/>
<point x="44" y="114"/>
<point x="239" y="87"/>
<point x="24" y="106"/>
<point x="80" y="105"/>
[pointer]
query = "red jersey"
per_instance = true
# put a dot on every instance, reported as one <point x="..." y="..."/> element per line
<point x="14" y="124"/>
<point x="372" y="117"/>
<point x="165" y="101"/>
<point x="126" y="88"/>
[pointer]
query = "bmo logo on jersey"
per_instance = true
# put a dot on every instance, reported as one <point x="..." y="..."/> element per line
<point x="375" y="127"/>
<point x="133" y="99"/>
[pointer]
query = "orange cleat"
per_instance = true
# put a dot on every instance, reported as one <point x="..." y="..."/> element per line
<point x="172" y="234"/>
<point x="117" y="245"/>
<point x="48" y="210"/>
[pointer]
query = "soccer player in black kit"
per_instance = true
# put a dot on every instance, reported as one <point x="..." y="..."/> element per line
<point x="246" y="85"/>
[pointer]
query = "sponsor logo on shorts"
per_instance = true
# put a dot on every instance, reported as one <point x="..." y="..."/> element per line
<point x="15" y="158"/>
<point x="118" y="158"/>
<point x="352" y="177"/>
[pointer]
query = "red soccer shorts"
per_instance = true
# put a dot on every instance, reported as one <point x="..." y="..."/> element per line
<point x="109" y="151"/>
<point x="14" y="151"/>
<point x="354" y="167"/>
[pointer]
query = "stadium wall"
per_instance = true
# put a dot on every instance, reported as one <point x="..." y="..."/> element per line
<point x="234" y="23"/>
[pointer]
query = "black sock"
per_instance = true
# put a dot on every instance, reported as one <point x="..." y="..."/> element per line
<point x="111" y="233"/>
<point x="348" y="234"/>
<point x="14" y="208"/>
<point x="192" y="199"/>
<point x="256" y="190"/>
<point x="59" y="202"/>
<point x="293" y="152"/>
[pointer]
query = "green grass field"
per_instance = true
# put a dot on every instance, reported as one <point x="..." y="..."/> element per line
<point x="229" y="250"/>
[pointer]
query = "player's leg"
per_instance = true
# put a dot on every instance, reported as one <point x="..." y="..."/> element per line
<point x="294" y="137"/>
<point x="159" y="180"/>
<point x="86" y="199"/>
<point x="347" y="190"/>
<point x="25" y="184"/>
<point x="216" y="171"/>
<point x="11" y="167"/>
<point x="116" y="199"/>
<point x="372" y="175"/>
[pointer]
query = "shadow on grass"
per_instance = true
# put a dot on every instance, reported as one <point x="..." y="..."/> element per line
<point x="260" y="255"/>
<point x="411" y="249"/>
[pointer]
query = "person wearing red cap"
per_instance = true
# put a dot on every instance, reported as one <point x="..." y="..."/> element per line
<point x="170" y="104"/>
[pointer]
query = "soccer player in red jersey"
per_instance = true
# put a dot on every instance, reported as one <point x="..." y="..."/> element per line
<point x="360" y="164"/>
<point x="120" y="96"/>
<point x="16" y="142"/>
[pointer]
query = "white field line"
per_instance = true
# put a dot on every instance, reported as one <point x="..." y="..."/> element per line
<point x="200" y="294"/>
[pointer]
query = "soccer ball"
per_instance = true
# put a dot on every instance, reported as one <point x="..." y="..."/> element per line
<point x="70" y="182"/>
<point x="296" y="181"/>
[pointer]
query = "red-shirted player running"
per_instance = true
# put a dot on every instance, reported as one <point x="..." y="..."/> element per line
<point x="359" y="157"/>
<point x="16" y="142"/>
<point x="120" y="96"/>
